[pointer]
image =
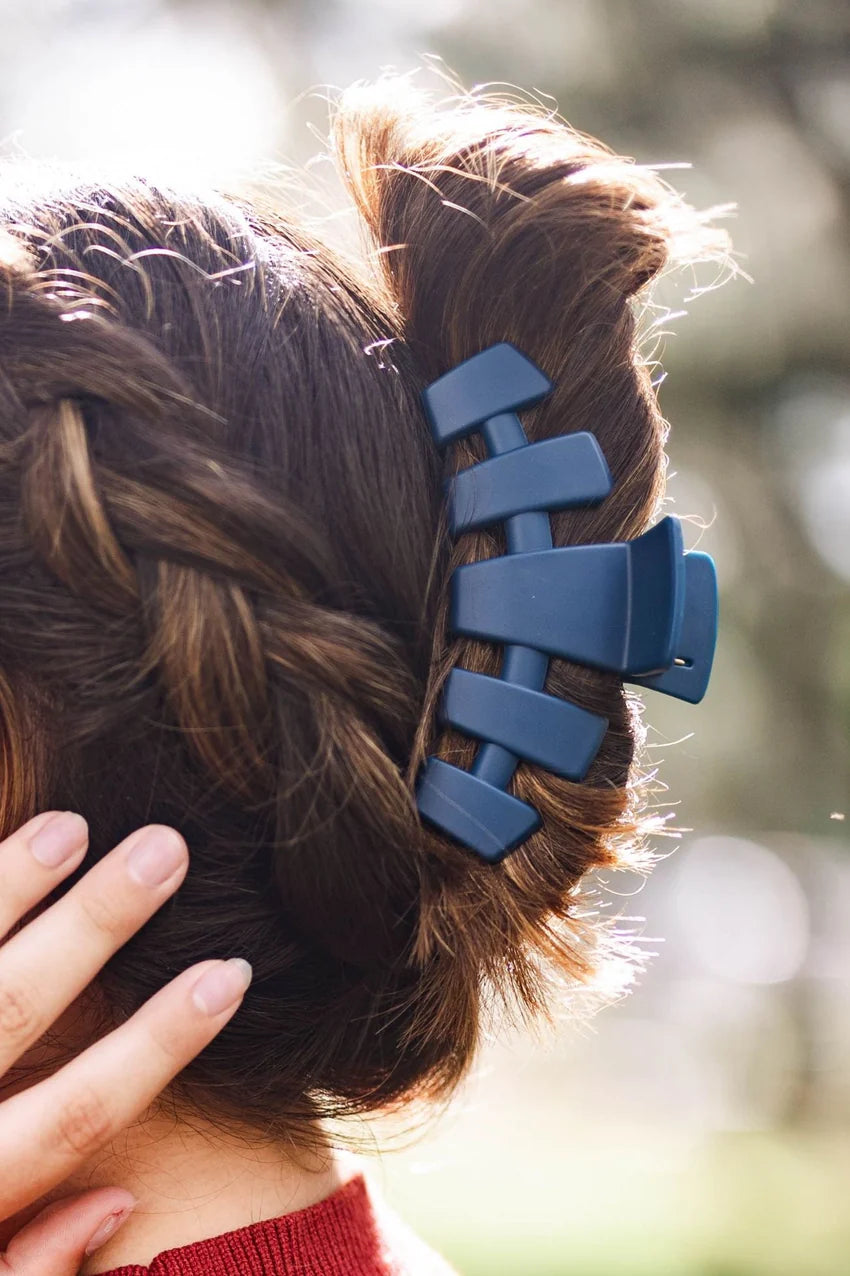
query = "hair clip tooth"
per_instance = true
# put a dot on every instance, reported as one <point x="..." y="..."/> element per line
<point x="483" y="818"/>
<point x="688" y="676"/>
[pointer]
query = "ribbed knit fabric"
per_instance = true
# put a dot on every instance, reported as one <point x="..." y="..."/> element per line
<point x="348" y="1234"/>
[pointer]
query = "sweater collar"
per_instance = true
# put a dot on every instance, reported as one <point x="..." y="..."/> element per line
<point x="334" y="1237"/>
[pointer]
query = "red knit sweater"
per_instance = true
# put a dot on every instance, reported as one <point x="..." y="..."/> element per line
<point x="350" y="1233"/>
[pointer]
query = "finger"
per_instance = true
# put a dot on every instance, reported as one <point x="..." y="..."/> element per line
<point x="55" y="956"/>
<point x="37" y="857"/>
<point x="57" y="1240"/>
<point x="53" y="1127"/>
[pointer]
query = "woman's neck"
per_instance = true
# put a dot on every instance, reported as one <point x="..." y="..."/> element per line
<point x="192" y="1181"/>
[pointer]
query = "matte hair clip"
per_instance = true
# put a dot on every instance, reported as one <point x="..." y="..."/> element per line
<point x="642" y="609"/>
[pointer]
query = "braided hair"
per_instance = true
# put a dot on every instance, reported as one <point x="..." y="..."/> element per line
<point x="224" y="567"/>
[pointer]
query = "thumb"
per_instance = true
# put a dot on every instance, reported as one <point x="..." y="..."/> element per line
<point x="56" y="1241"/>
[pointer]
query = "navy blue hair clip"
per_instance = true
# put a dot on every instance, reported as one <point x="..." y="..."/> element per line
<point x="642" y="609"/>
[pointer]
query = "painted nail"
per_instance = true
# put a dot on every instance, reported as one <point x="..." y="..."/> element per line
<point x="156" y="857"/>
<point x="59" y="839"/>
<point x="109" y="1227"/>
<point x="222" y="985"/>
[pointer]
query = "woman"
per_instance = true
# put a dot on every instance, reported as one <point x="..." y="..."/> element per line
<point x="224" y="567"/>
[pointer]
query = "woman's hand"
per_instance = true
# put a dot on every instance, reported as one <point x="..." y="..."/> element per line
<point x="52" y="1128"/>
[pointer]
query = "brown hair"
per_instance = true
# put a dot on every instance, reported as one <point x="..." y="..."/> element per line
<point x="224" y="568"/>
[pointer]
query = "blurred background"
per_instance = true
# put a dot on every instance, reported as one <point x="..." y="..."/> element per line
<point x="701" y="1126"/>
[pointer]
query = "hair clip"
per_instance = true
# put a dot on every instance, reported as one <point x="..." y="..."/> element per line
<point x="642" y="609"/>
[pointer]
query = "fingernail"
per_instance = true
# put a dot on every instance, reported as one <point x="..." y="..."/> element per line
<point x="156" y="856"/>
<point x="109" y="1227"/>
<point x="220" y="986"/>
<point x="58" y="839"/>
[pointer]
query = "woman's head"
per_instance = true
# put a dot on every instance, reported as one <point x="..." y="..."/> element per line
<point x="224" y="567"/>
